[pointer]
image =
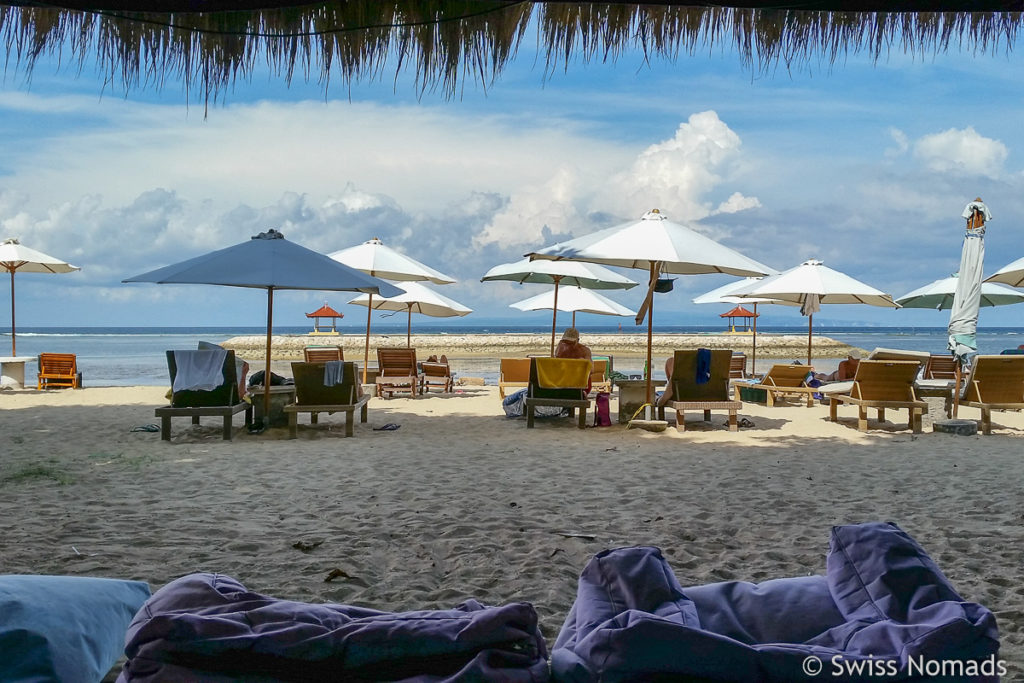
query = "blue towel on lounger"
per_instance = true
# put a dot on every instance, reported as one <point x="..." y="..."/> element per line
<point x="334" y="372"/>
<point x="703" y="366"/>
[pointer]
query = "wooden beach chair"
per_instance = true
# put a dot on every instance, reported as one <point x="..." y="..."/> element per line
<point x="58" y="370"/>
<point x="323" y="354"/>
<point x="599" y="380"/>
<point x="558" y="382"/>
<point x="222" y="401"/>
<point x="940" y="367"/>
<point x="397" y="371"/>
<point x="436" y="374"/>
<point x="514" y="373"/>
<point x="706" y="397"/>
<point x="738" y="366"/>
<point x="924" y="386"/>
<point x="995" y="383"/>
<point x="313" y="396"/>
<point x="882" y="384"/>
<point x="787" y="380"/>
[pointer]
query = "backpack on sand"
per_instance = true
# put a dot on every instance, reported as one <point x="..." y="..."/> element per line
<point x="602" y="410"/>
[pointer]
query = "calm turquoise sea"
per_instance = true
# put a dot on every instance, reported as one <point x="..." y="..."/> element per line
<point x="126" y="356"/>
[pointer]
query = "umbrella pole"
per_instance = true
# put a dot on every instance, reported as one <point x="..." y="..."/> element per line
<point x="958" y="374"/>
<point x="14" y="343"/>
<point x="649" y="395"/>
<point x="408" y="330"/>
<point x="554" y="314"/>
<point x="753" y="351"/>
<point x="366" y="351"/>
<point x="810" y="333"/>
<point x="266" y="372"/>
<point x="574" y="318"/>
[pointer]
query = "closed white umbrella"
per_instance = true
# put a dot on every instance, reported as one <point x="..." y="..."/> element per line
<point x="723" y="295"/>
<point x="16" y="257"/>
<point x="1011" y="274"/>
<point x="939" y="295"/>
<point x="963" y="314"/>
<point x="658" y="245"/>
<point x="812" y="284"/>
<point x="416" y="298"/>
<point x="574" y="300"/>
<point x="375" y="258"/>
<point x="586" y="275"/>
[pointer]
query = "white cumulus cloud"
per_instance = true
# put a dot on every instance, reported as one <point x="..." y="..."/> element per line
<point x="964" y="151"/>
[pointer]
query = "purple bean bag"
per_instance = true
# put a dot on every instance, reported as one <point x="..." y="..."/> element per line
<point x="883" y="611"/>
<point x="208" y="627"/>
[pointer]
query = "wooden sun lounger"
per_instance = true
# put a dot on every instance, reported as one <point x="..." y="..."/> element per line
<point x="996" y="383"/>
<point x="599" y="381"/>
<point x="687" y="395"/>
<point x="436" y="374"/>
<point x="940" y="367"/>
<point x="882" y="384"/>
<point x="514" y="373"/>
<point x="323" y="354"/>
<point x="397" y="371"/>
<point x="58" y="370"/>
<point x="571" y="397"/>
<point x="222" y="401"/>
<point x="738" y="366"/>
<point x="313" y="397"/>
<point x="787" y="380"/>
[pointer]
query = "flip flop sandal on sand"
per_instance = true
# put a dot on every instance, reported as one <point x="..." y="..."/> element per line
<point x="744" y="422"/>
<point x="146" y="428"/>
<point x="389" y="427"/>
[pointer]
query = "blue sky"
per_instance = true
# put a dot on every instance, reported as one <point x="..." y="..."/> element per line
<point x="864" y="165"/>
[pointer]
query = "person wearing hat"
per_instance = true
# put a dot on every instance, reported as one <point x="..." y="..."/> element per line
<point x="847" y="369"/>
<point x="570" y="346"/>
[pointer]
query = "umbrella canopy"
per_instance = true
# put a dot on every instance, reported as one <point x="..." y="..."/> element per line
<point x="939" y="295"/>
<point x="811" y="284"/>
<point x="16" y="257"/>
<point x="416" y="298"/>
<point x="963" y="314"/>
<point x="574" y="300"/>
<point x="267" y="261"/>
<point x="376" y="259"/>
<point x="573" y="273"/>
<point x="723" y="295"/>
<point x="657" y="245"/>
<point x="1011" y="274"/>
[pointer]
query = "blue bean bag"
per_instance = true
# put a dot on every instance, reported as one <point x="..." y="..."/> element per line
<point x="883" y="611"/>
<point x="209" y="628"/>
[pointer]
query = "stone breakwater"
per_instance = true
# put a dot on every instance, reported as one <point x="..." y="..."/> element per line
<point x="769" y="346"/>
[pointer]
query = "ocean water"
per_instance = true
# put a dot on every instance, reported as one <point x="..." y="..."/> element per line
<point x="127" y="356"/>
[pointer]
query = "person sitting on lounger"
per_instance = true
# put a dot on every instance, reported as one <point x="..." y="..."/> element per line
<point x="847" y="369"/>
<point x="665" y="397"/>
<point x="570" y="346"/>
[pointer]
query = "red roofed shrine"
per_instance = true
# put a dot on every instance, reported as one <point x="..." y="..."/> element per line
<point x="324" y="311"/>
<point x="739" y="313"/>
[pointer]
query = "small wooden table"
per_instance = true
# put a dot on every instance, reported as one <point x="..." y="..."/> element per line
<point x="280" y="396"/>
<point x="12" y="371"/>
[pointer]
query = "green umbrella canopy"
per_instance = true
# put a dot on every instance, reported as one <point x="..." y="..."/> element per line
<point x="139" y="43"/>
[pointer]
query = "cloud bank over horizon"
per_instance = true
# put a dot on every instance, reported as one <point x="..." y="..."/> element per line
<point x="143" y="185"/>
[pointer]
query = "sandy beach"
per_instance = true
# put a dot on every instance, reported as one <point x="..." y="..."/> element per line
<point x="461" y="502"/>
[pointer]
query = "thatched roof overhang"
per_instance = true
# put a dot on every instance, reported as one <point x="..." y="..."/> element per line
<point x="209" y="45"/>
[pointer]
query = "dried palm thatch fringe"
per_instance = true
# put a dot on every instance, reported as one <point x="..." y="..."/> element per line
<point x="450" y="42"/>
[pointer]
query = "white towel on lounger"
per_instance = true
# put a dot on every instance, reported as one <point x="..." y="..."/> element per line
<point x="199" y="370"/>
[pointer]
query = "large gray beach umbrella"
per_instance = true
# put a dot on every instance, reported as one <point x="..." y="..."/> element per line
<point x="1011" y="274"/>
<point x="659" y="246"/>
<point x="375" y="258"/>
<point x="723" y="295"/>
<point x="15" y="257"/>
<point x="939" y="295"/>
<point x="270" y="262"/>
<point x="570" y="273"/>
<point x="812" y="284"/>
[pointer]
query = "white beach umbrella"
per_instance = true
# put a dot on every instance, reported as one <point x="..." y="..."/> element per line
<point x="574" y="300"/>
<point x="1011" y="274"/>
<point x="963" y="313"/>
<point x="939" y="295"/>
<point x="416" y="298"/>
<point x="723" y="295"/>
<point x="811" y="284"/>
<point x="16" y="257"/>
<point x="586" y="275"/>
<point x="660" y="246"/>
<point x="376" y="259"/>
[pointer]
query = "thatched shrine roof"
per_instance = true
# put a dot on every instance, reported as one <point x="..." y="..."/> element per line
<point x="211" y="44"/>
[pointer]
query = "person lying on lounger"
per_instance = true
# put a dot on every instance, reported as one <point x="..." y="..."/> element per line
<point x="847" y="369"/>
